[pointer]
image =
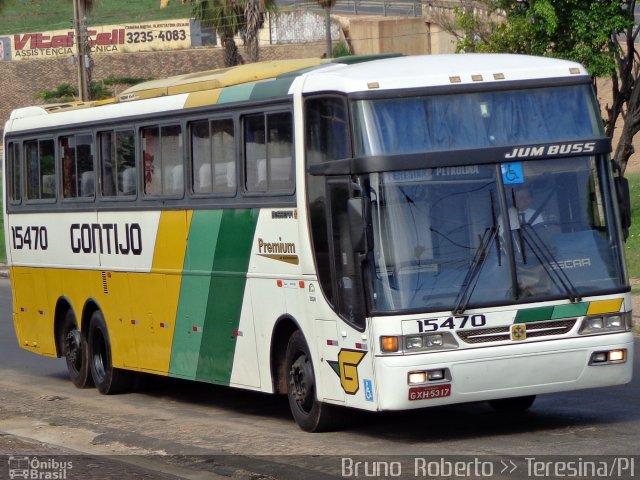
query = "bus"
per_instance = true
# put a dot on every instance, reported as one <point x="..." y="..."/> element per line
<point x="382" y="233"/>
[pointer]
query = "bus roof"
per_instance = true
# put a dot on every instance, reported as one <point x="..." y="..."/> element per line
<point x="275" y="78"/>
<point x="438" y="70"/>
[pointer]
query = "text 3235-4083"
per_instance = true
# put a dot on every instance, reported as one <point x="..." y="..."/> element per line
<point x="151" y="36"/>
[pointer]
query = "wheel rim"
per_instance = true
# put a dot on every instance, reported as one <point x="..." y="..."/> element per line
<point x="73" y="350"/>
<point x="302" y="383"/>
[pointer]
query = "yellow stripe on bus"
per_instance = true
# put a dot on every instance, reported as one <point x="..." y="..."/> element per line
<point x="155" y="295"/>
<point x="605" y="306"/>
<point x="201" y="99"/>
<point x="171" y="241"/>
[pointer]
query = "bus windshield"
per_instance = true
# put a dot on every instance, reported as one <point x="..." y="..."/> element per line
<point x="404" y="125"/>
<point x="478" y="235"/>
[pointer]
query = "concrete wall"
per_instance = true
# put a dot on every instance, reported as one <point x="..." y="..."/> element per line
<point x="21" y="81"/>
<point x="371" y="35"/>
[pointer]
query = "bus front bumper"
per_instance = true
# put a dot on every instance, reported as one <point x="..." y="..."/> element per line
<point x="506" y="371"/>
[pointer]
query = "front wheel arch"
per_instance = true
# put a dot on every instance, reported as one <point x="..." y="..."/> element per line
<point x="282" y="331"/>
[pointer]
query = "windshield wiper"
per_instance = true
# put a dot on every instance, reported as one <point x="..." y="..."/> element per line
<point x="471" y="279"/>
<point x="547" y="260"/>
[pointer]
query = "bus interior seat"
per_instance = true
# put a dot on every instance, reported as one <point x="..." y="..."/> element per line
<point x="175" y="179"/>
<point x="281" y="173"/>
<point x="129" y="181"/>
<point x="87" y="184"/>
<point x="204" y="178"/>
<point x="48" y="186"/>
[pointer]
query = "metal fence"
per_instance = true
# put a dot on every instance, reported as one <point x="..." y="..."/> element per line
<point x="405" y="8"/>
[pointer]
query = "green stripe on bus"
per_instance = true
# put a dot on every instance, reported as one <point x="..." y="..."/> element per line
<point x="194" y="292"/>
<point x="534" y="314"/>
<point x="552" y="312"/>
<point x="237" y="93"/>
<point x="226" y="293"/>
<point x="572" y="310"/>
<point x="272" y="88"/>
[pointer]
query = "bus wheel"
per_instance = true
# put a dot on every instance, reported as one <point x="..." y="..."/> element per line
<point x="75" y="351"/>
<point x="108" y="380"/>
<point x="512" y="405"/>
<point x="310" y="414"/>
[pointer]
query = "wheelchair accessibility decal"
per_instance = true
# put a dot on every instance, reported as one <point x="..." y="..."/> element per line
<point x="368" y="390"/>
<point x="347" y="369"/>
<point x="512" y="173"/>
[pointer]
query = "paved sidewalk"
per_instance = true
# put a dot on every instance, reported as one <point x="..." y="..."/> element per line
<point x="58" y="462"/>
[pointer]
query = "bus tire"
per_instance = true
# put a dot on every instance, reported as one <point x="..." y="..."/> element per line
<point x="108" y="380"/>
<point x="75" y="351"/>
<point x="512" y="405"/>
<point x="310" y="414"/>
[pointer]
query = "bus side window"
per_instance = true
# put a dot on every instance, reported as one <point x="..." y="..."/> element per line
<point x="118" y="161"/>
<point x="280" y="149"/>
<point x="41" y="169"/>
<point x="173" y="171"/>
<point x="151" y="168"/>
<point x="268" y="149"/>
<point x="162" y="160"/>
<point x="14" y="165"/>
<point x="327" y="135"/>
<point x="213" y="157"/>
<point x="255" y="154"/>
<point x="78" y="177"/>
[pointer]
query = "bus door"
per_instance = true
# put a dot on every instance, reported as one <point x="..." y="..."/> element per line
<point x="346" y="371"/>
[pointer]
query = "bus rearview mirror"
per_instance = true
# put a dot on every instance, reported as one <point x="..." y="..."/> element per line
<point x="624" y="203"/>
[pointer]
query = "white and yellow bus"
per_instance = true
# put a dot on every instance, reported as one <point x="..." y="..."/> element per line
<point x="378" y="233"/>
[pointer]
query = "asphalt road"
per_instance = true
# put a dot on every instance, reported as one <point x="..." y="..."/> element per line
<point x="182" y="429"/>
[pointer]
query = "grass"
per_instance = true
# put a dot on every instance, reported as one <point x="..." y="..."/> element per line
<point x="632" y="246"/>
<point x="25" y="16"/>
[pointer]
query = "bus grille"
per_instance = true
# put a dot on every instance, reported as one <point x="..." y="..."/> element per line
<point x="503" y="334"/>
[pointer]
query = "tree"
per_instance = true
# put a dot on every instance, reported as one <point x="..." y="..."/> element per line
<point x="327" y="5"/>
<point x="600" y="35"/>
<point x="230" y="18"/>
<point x="253" y="21"/>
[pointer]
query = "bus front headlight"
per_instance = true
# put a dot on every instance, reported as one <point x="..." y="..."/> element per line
<point x="428" y="342"/>
<point x="617" y="322"/>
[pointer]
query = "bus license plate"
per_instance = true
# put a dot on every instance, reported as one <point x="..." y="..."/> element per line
<point x="430" y="392"/>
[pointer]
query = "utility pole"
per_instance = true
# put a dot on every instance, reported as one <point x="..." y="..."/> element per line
<point x="84" y="57"/>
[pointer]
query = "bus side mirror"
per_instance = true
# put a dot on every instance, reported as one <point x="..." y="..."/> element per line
<point x="624" y="203"/>
<point x="356" y="224"/>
